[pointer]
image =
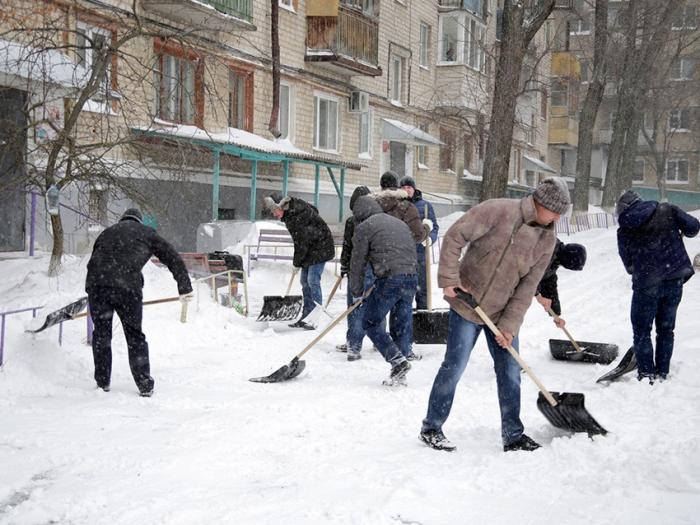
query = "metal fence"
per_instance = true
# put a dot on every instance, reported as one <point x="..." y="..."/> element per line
<point x="588" y="221"/>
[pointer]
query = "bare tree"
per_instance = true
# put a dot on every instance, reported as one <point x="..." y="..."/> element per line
<point x="521" y="21"/>
<point x="273" y="126"/>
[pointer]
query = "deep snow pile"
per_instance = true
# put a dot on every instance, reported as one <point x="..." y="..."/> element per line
<point x="334" y="445"/>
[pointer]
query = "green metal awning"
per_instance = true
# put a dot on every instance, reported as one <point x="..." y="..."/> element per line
<point x="254" y="148"/>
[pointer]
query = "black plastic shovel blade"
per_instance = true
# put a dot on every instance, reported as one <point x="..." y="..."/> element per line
<point x="627" y="364"/>
<point x="602" y="353"/>
<point x="280" y="308"/>
<point x="430" y="326"/>
<point x="64" y="314"/>
<point x="285" y="373"/>
<point x="569" y="413"/>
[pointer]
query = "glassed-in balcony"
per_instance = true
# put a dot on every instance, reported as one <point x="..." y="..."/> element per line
<point x="216" y="15"/>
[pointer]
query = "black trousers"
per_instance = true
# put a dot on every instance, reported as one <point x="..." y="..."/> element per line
<point x="104" y="301"/>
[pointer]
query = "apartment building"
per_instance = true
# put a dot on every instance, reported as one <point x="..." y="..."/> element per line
<point x="366" y="86"/>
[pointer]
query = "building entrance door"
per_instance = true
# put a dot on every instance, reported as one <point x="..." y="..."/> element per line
<point x="13" y="140"/>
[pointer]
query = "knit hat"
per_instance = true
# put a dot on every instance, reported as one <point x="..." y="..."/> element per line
<point x="553" y="194"/>
<point x="277" y="201"/>
<point x="389" y="180"/>
<point x="626" y="200"/>
<point x="133" y="214"/>
<point x="360" y="191"/>
<point x="572" y="256"/>
<point x="407" y="181"/>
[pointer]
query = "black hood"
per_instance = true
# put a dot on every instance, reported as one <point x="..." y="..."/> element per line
<point x="359" y="192"/>
<point x="366" y="207"/>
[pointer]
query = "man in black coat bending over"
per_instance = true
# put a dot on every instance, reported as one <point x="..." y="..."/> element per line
<point x="114" y="283"/>
<point x="313" y="246"/>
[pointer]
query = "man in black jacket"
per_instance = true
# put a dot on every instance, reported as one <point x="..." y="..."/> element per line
<point x="571" y="256"/>
<point x="313" y="246"/>
<point x="114" y="284"/>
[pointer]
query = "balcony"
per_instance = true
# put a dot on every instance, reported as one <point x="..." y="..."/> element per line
<point x="475" y="6"/>
<point x="216" y="15"/>
<point x="563" y="130"/>
<point x="349" y="41"/>
<point x="566" y="64"/>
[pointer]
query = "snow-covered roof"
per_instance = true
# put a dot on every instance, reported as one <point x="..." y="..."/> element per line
<point x="21" y="62"/>
<point x="242" y="139"/>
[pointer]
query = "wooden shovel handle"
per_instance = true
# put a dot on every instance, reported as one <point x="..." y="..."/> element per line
<point x="335" y="287"/>
<point x="145" y="303"/>
<point x="484" y="317"/>
<point x="291" y="280"/>
<point x="556" y="317"/>
<point x="428" y="272"/>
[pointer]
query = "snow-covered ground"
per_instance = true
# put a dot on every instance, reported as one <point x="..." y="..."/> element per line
<point x="334" y="445"/>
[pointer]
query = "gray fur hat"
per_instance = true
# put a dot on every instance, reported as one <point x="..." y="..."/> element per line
<point x="553" y="194"/>
<point x="277" y="201"/>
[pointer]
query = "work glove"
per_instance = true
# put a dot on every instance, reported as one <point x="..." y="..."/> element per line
<point x="186" y="297"/>
<point x="343" y="272"/>
<point x="429" y="223"/>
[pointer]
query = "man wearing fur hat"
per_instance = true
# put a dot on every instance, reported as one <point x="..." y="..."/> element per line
<point x="650" y="243"/>
<point x="396" y="203"/>
<point x="114" y="284"/>
<point x="509" y="243"/>
<point x="313" y="246"/>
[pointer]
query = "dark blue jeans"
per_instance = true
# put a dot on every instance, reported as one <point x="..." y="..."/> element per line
<point x="104" y="301"/>
<point x="461" y="337"/>
<point x="356" y="333"/>
<point x="311" y="287"/>
<point x="422" y="290"/>
<point x="393" y="296"/>
<point x="656" y="304"/>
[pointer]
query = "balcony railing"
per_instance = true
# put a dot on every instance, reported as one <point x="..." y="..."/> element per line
<point x="350" y="40"/>
<point x="225" y="15"/>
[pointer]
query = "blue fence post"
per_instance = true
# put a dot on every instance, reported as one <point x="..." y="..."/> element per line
<point x="90" y="328"/>
<point x="60" y="334"/>
<point x="32" y="225"/>
<point x="2" y="337"/>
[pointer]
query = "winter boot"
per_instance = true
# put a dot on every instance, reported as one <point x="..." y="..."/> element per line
<point x="302" y="324"/>
<point x="146" y="393"/>
<point x="398" y="374"/>
<point x="342" y="348"/>
<point x="354" y="356"/>
<point x="524" y="443"/>
<point x="437" y="440"/>
<point x="412" y="356"/>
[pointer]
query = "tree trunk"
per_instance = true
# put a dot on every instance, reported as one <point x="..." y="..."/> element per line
<point x="660" y="181"/>
<point x="591" y="105"/>
<point x="57" y="249"/>
<point x="273" y="125"/>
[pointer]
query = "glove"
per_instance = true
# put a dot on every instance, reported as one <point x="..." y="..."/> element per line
<point x="428" y="223"/>
<point x="186" y="297"/>
<point x="343" y="273"/>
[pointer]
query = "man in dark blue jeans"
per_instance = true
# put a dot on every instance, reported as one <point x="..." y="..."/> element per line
<point x="386" y="243"/>
<point x="650" y="243"/>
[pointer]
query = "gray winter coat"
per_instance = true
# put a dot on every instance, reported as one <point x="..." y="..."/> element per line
<point x="385" y="241"/>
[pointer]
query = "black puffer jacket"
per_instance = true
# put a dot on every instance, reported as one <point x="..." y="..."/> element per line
<point x="122" y="250"/>
<point x="350" y="230"/>
<point x="313" y="242"/>
<point x="383" y="240"/>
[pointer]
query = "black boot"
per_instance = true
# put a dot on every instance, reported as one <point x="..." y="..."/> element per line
<point x="524" y="443"/>
<point x="437" y="440"/>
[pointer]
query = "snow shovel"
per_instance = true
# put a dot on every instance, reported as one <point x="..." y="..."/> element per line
<point x="562" y="409"/>
<point x="584" y="352"/>
<point x="281" y="307"/>
<point x="63" y="314"/>
<point x="430" y="326"/>
<point x="296" y="366"/>
<point x="315" y="315"/>
<point x="627" y="364"/>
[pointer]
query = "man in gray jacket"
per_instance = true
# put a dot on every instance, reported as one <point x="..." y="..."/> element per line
<point x="509" y="246"/>
<point x="387" y="244"/>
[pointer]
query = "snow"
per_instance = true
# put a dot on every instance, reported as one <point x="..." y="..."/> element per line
<point x="333" y="446"/>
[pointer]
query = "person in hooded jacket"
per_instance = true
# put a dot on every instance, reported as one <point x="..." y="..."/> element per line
<point x="355" y="333"/>
<point x="426" y="211"/>
<point x="650" y="244"/>
<point x="114" y="283"/>
<point x="313" y="247"/>
<point x="571" y="256"/>
<point x="396" y="203"/>
<point x="386" y="243"/>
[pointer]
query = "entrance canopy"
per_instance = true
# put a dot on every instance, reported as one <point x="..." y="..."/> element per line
<point x="397" y="131"/>
<point x="531" y="163"/>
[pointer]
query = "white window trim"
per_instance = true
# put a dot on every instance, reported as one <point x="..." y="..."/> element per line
<point x="89" y="30"/>
<point x="682" y="78"/>
<point x="674" y="27"/>
<point x="677" y="130"/>
<point x="369" y="154"/>
<point x="392" y="96"/>
<point x="318" y="95"/>
<point x="578" y="24"/>
<point x="676" y="181"/>
<point x="286" y="7"/>
<point x="292" y="113"/>
<point x="464" y="19"/>
<point x="425" y="66"/>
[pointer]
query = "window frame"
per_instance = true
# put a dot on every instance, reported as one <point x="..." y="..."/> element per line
<point x="469" y="49"/>
<point x="368" y="152"/>
<point x="89" y="29"/>
<point x="676" y="161"/>
<point x="556" y="82"/>
<point x="448" y="137"/>
<point x="291" y="114"/>
<point x="318" y="97"/>
<point x="582" y="24"/>
<point x="163" y="49"/>
<point x="396" y="80"/>
<point x="424" y="45"/>
<point x="422" y="151"/>
<point x="683" y="16"/>
<point x="682" y="115"/>
<point x="677" y="69"/>
<point x="634" y="170"/>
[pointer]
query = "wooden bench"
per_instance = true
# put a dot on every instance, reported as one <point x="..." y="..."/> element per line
<point x="280" y="239"/>
<point x="200" y="265"/>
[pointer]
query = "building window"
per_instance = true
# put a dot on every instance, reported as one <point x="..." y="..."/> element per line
<point x="531" y="131"/>
<point x="424" y="50"/>
<point x="325" y="123"/>
<point x="677" y="170"/>
<point x="686" y="18"/>
<point x="239" y="86"/>
<point x="543" y="104"/>
<point x="97" y="205"/>
<point x="286" y="116"/>
<point x="461" y="40"/>
<point x="679" y="119"/>
<point x="423" y="150"/>
<point x="585" y="70"/>
<point x="638" y="173"/>
<point x="88" y="41"/>
<point x="560" y="94"/>
<point x="396" y="81"/>
<point x="365" y="142"/>
<point x="581" y="26"/>
<point x="176" y="89"/>
<point x="289" y="4"/>
<point x="468" y="151"/>
<point x="447" y="150"/>
<point x="682" y="69"/>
